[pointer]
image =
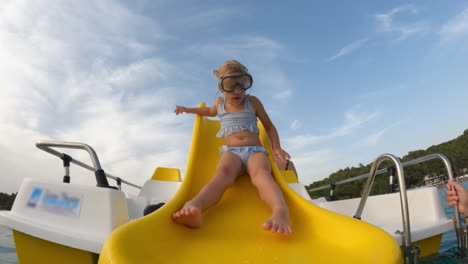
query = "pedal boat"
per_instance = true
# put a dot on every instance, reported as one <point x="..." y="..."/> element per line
<point x="62" y="222"/>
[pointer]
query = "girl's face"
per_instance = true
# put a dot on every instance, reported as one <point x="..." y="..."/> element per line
<point x="234" y="88"/>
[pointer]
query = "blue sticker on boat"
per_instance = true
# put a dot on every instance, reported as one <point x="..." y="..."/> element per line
<point x="34" y="198"/>
<point x="56" y="202"/>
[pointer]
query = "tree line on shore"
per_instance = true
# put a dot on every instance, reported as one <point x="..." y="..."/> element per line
<point x="6" y="201"/>
<point x="455" y="150"/>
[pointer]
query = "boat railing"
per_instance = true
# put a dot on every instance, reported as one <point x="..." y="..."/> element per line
<point x="411" y="252"/>
<point x="387" y="170"/>
<point x="101" y="176"/>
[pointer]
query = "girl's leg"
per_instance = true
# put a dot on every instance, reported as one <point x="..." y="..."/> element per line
<point x="259" y="169"/>
<point x="227" y="171"/>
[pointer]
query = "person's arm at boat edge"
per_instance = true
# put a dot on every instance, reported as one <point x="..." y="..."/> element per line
<point x="457" y="195"/>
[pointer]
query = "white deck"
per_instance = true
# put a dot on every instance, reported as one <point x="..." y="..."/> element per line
<point x="426" y="213"/>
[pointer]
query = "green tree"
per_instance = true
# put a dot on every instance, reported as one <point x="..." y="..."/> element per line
<point x="6" y="201"/>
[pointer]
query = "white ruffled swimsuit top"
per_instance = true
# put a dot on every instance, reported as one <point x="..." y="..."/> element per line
<point x="233" y="122"/>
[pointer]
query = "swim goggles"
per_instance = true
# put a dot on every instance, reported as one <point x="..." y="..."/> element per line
<point x="229" y="83"/>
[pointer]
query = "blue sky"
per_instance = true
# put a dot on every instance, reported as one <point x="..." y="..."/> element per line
<point x="343" y="81"/>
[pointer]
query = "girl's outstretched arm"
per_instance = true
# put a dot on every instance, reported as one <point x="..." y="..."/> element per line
<point x="279" y="153"/>
<point x="203" y="111"/>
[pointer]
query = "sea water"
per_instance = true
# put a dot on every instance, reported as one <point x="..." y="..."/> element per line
<point x="448" y="253"/>
<point x="7" y="247"/>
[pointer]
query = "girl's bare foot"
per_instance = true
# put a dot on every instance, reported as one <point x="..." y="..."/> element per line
<point x="189" y="215"/>
<point x="278" y="223"/>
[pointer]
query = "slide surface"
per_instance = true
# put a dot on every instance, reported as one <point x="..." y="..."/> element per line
<point x="232" y="232"/>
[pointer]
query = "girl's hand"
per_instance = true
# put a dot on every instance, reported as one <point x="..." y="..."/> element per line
<point x="179" y="110"/>
<point x="281" y="155"/>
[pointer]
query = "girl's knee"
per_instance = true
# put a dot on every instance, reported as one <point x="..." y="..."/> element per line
<point x="261" y="177"/>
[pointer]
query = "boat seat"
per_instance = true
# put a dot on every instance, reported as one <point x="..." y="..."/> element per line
<point x="152" y="192"/>
<point x="159" y="189"/>
<point x="166" y="174"/>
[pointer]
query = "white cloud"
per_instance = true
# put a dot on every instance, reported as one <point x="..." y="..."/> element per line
<point x="314" y="165"/>
<point x="210" y="18"/>
<point x="261" y="56"/>
<point x="83" y="71"/>
<point x="304" y="140"/>
<point x="373" y="139"/>
<point x="282" y="94"/>
<point x="94" y="72"/>
<point x="295" y="125"/>
<point x="241" y="47"/>
<point x="456" y="27"/>
<point x="353" y="120"/>
<point x="390" y="24"/>
<point x="271" y="83"/>
<point x="349" y="48"/>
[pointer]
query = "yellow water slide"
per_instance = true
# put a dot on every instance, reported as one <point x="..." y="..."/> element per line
<point x="232" y="232"/>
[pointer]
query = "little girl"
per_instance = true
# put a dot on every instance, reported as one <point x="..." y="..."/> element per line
<point x="242" y="151"/>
